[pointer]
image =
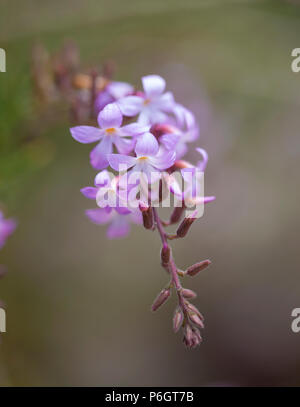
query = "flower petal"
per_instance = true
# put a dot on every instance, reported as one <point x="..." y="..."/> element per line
<point x="103" y="98"/>
<point x="169" y="141"/>
<point x="166" y="102"/>
<point x="119" y="89"/>
<point x="202" y="164"/>
<point x="146" y="145"/>
<point x="102" y="179"/>
<point x="153" y="85"/>
<point x="117" y="160"/>
<point x="99" y="216"/>
<point x="89" y="192"/>
<point x="124" y="146"/>
<point x="86" y="134"/>
<point x="119" y="227"/>
<point x="181" y="149"/>
<point x="163" y="160"/>
<point x="133" y="130"/>
<point x="98" y="155"/>
<point x="110" y="116"/>
<point x="130" y="105"/>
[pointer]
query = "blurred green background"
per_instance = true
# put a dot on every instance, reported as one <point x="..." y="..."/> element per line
<point x="78" y="305"/>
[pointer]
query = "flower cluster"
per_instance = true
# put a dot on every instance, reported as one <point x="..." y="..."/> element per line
<point x="142" y="135"/>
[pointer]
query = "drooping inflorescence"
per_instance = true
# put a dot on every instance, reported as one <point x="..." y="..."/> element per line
<point x="142" y="136"/>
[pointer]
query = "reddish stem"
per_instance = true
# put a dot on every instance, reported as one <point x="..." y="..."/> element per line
<point x="172" y="266"/>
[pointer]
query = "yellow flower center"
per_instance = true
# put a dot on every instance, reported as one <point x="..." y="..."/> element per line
<point x="111" y="130"/>
<point x="146" y="102"/>
<point x="143" y="158"/>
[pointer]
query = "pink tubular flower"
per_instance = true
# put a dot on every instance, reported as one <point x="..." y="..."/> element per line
<point x="112" y="92"/>
<point x="153" y="106"/>
<point x="7" y="227"/>
<point x="149" y="159"/>
<point x="120" y="224"/>
<point x="110" y="133"/>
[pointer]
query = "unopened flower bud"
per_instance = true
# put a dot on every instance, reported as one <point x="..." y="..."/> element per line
<point x="188" y="293"/>
<point x="180" y="164"/>
<point x="192" y="337"/>
<point x="177" y="213"/>
<point x="196" y="320"/>
<point x="161" y="299"/>
<point x="165" y="255"/>
<point x="188" y="336"/>
<point x="184" y="226"/>
<point x="159" y="129"/>
<point x="177" y="319"/>
<point x="147" y="216"/>
<point x="197" y="267"/>
<point x="195" y="310"/>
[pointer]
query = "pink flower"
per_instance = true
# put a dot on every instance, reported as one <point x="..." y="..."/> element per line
<point x="7" y="227"/>
<point x="120" y="224"/>
<point x="149" y="160"/>
<point x="153" y="105"/>
<point x="110" y="133"/>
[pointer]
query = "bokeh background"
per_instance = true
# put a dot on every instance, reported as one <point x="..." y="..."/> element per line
<point x="78" y="305"/>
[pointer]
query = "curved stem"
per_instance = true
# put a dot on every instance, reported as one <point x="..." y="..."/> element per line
<point x="171" y="265"/>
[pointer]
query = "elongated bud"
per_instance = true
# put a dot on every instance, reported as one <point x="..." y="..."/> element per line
<point x="177" y="213"/>
<point x="147" y="214"/>
<point x="188" y="293"/>
<point x="165" y="255"/>
<point x="161" y="299"/>
<point x="177" y="319"/>
<point x="195" y="310"/>
<point x="188" y="336"/>
<point x="185" y="226"/>
<point x="196" y="320"/>
<point x="197" y="267"/>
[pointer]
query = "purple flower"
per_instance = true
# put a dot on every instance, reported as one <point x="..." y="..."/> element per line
<point x="107" y="192"/>
<point x="186" y="132"/>
<point x="7" y="227"/>
<point x="112" y="92"/>
<point x="110" y="133"/>
<point x="153" y="105"/>
<point x="120" y="224"/>
<point x="149" y="160"/>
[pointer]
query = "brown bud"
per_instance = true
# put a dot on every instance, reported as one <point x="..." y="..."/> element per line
<point x="165" y="255"/>
<point x="184" y="226"/>
<point x="160" y="299"/>
<point x="196" y="320"/>
<point x="197" y="267"/>
<point x="177" y="319"/>
<point x="147" y="214"/>
<point x="188" y="293"/>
